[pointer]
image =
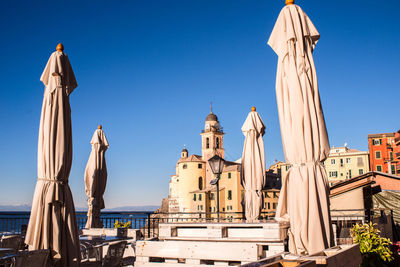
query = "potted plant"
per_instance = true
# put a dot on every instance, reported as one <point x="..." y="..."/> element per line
<point x="122" y="228"/>
<point x="375" y="250"/>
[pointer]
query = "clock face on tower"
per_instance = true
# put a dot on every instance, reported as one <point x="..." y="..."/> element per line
<point x="207" y="126"/>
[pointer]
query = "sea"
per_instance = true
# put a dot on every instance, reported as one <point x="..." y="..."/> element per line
<point x="17" y="221"/>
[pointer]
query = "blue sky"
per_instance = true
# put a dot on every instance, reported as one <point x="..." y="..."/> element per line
<point x="147" y="71"/>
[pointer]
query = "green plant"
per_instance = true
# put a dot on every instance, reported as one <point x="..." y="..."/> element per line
<point x="118" y="224"/>
<point x="373" y="247"/>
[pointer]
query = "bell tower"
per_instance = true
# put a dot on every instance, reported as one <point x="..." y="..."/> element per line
<point x="212" y="140"/>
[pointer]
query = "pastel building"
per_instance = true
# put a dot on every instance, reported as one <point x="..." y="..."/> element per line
<point x="384" y="152"/>
<point x="190" y="189"/>
<point x="342" y="163"/>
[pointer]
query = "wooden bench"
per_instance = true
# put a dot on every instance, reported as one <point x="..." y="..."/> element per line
<point x="266" y="231"/>
<point x="170" y="253"/>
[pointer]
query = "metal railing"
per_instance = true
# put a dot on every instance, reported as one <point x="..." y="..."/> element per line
<point x="148" y="222"/>
<point x="16" y="222"/>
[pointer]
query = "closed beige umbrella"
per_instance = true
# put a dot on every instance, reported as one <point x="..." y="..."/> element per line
<point x="304" y="197"/>
<point x="52" y="223"/>
<point x="96" y="178"/>
<point x="253" y="165"/>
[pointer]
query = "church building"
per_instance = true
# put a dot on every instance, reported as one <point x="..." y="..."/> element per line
<point x="190" y="189"/>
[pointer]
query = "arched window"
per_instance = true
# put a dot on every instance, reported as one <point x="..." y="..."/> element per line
<point x="207" y="142"/>
<point x="217" y="142"/>
<point x="184" y="166"/>
<point x="200" y="183"/>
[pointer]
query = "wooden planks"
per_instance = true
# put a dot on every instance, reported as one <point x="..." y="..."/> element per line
<point x="268" y="231"/>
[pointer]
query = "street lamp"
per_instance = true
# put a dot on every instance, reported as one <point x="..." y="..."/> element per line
<point x="217" y="166"/>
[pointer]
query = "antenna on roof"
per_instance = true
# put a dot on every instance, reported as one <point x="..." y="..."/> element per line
<point x="211" y="107"/>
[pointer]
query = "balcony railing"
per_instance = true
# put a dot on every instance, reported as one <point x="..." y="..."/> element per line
<point x="147" y="222"/>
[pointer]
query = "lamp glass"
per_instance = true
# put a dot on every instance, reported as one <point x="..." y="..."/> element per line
<point x="216" y="164"/>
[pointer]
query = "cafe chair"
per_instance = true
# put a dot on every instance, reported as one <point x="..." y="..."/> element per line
<point x="113" y="257"/>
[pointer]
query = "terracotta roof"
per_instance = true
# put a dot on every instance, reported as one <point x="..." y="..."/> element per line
<point x="356" y="181"/>
<point x="191" y="158"/>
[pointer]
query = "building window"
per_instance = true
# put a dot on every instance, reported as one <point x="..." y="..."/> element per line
<point x="223" y="209"/>
<point x="212" y="196"/>
<point x="210" y="209"/>
<point x="393" y="169"/>
<point x="266" y="195"/>
<point x="213" y="209"/>
<point x="341" y="162"/>
<point x="360" y="171"/>
<point x="217" y="142"/>
<point x="207" y="142"/>
<point x="390" y="155"/>
<point x="348" y="160"/>
<point x="333" y="174"/>
<point x="201" y="183"/>
<point x="379" y="168"/>
<point x="200" y="166"/>
<point x="377" y="154"/>
<point x="275" y="195"/>
<point x="333" y="161"/>
<point x="377" y="142"/>
<point x="287" y="167"/>
<point x="229" y="175"/>
<point x="199" y="197"/>
<point x="274" y="206"/>
<point x="341" y="174"/>
<point x="229" y="194"/>
<point x="269" y="205"/>
<point x="349" y="174"/>
<point x="184" y="166"/>
<point x="360" y="162"/>
<point x="194" y="197"/>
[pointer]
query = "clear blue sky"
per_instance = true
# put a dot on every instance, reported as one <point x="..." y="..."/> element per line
<point x="147" y="71"/>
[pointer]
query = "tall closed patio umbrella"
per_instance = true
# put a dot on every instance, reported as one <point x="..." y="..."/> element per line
<point x="52" y="223"/>
<point x="96" y="178"/>
<point x="304" y="197"/>
<point x="253" y="165"/>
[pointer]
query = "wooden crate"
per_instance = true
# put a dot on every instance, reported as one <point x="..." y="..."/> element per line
<point x="338" y="256"/>
<point x="171" y="253"/>
<point x="265" y="231"/>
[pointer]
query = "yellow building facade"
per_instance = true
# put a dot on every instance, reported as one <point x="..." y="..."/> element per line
<point x="343" y="163"/>
<point x="190" y="190"/>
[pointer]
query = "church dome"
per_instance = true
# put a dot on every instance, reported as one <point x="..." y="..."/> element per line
<point x="211" y="117"/>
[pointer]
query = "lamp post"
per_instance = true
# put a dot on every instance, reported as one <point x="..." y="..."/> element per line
<point x="217" y="166"/>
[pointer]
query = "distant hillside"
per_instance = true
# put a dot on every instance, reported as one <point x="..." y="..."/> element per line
<point x="134" y="208"/>
<point x="23" y="207"/>
<point x="26" y="207"/>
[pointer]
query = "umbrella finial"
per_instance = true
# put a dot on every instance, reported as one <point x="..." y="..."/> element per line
<point x="100" y="127"/>
<point x="253" y="108"/>
<point x="289" y="2"/>
<point x="60" y="47"/>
